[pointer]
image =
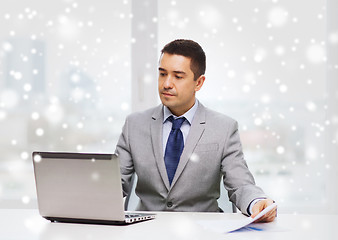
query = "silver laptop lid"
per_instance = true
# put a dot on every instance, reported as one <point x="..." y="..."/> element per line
<point x="78" y="185"/>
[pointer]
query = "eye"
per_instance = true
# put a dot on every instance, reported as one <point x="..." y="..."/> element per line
<point x="178" y="77"/>
<point x="162" y="74"/>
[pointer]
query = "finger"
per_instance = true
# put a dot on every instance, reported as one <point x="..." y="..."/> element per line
<point x="258" y="207"/>
<point x="268" y="217"/>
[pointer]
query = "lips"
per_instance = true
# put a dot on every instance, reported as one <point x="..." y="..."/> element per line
<point x="167" y="94"/>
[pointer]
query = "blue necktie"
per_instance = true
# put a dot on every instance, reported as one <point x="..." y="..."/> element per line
<point x="174" y="147"/>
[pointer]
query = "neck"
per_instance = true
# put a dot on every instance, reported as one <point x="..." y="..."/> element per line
<point x="180" y="112"/>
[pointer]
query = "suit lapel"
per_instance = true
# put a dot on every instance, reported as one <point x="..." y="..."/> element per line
<point x="195" y="133"/>
<point x="157" y="143"/>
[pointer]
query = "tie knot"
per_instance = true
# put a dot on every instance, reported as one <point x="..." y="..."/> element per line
<point x="177" y="123"/>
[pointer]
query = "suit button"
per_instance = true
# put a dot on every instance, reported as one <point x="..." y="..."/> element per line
<point x="169" y="204"/>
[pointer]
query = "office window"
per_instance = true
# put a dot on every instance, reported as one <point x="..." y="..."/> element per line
<point x="65" y="84"/>
<point x="267" y="68"/>
<point x="69" y="74"/>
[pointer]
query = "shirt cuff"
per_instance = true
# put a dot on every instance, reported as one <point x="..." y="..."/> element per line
<point x="253" y="202"/>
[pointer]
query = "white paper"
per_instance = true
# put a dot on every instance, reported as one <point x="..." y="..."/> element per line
<point x="230" y="225"/>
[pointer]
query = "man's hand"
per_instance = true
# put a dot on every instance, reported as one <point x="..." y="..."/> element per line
<point x="259" y="206"/>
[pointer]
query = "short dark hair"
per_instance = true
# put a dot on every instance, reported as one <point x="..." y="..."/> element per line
<point x="190" y="49"/>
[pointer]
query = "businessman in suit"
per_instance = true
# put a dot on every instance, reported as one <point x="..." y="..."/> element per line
<point x="181" y="150"/>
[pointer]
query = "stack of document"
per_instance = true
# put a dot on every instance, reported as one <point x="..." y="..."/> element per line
<point x="226" y="226"/>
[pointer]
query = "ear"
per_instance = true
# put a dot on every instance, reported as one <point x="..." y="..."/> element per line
<point x="199" y="83"/>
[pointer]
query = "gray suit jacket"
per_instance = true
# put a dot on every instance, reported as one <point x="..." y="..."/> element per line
<point x="212" y="150"/>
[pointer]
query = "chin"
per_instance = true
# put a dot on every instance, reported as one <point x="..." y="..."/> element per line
<point x="167" y="103"/>
<point x="166" y="100"/>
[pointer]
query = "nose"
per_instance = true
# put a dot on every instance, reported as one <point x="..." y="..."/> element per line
<point x="168" y="82"/>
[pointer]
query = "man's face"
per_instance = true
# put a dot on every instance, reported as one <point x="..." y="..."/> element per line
<point x="176" y="84"/>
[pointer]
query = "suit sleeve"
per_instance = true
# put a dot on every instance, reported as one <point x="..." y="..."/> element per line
<point x="125" y="157"/>
<point x="237" y="178"/>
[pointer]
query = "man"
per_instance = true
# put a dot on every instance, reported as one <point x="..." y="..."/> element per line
<point x="180" y="150"/>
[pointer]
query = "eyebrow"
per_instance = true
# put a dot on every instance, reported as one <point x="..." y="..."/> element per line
<point x="177" y="72"/>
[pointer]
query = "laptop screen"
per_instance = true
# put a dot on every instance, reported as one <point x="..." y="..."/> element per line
<point x="78" y="185"/>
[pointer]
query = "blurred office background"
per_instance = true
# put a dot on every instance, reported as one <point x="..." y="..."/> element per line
<point x="71" y="71"/>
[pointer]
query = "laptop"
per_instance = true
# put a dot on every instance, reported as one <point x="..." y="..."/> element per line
<point x="81" y="188"/>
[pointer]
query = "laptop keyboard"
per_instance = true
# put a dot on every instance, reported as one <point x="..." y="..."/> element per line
<point x="130" y="218"/>
<point x="132" y="215"/>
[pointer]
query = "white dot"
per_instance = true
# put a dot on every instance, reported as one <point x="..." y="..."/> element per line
<point x="35" y="116"/>
<point x="3" y="115"/>
<point x="311" y="106"/>
<point x="50" y="23"/>
<point x="39" y="132"/>
<point x="25" y="199"/>
<point x="37" y="158"/>
<point x="75" y="78"/>
<point x="27" y="87"/>
<point x="283" y="88"/>
<point x="24" y="155"/>
<point x="280" y="150"/>
<point x="231" y="73"/>
<point x="17" y="75"/>
<point x="24" y="58"/>
<point x="277" y="17"/>
<point x="258" y="121"/>
<point x="333" y="38"/>
<point x="260" y="55"/>
<point x="148" y="79"/>
<point x="95" y="176"/>
<point x="279" y="50"/>
<point x="194" y="157"/>
<point x="246" y="88"/>
<point x="7" y="47"/>
<point x="124" y="106"/>
<point x="316" y="53"/>
<point x="80" y="125"/>
<point x="265" y="99"/>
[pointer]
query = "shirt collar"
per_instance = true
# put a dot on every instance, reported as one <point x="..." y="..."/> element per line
<point x="189" y="115"/>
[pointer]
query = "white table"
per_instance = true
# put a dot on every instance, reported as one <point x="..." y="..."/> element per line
<point x="28" y="225"/>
